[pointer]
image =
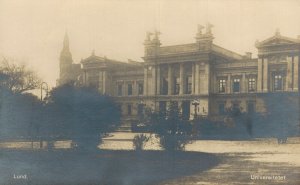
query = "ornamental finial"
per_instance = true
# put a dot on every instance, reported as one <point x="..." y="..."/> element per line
<point x="277" y="33"/>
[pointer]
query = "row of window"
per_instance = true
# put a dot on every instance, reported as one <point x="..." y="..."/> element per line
<point x="277" y="84"/>
<point x="236" y="107"/>
<point x="176" y="86"/>
<point x="163" y="91"/>
<point x="140" y="88"/>
<point x="236" y="85"/>
<point x="140" y="109"/>
<point x="222" y="108"/>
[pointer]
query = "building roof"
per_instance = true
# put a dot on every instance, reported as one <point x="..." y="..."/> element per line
<point x="182" y="48"/>
<point x="193" y="47"/>
<point x="277" y="39"/>
<point x="225" y="52"/>
<point x="94" y="61"/>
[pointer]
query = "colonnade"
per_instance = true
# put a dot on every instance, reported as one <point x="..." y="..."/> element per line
<point x="199" y="74"/>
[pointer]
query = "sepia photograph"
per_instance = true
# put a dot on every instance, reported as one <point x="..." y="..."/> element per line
<point x="149" y="92"/>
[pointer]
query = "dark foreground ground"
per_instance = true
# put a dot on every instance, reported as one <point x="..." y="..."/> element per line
<point x="238" y="168"/>
<point x="224" y="163"/>
<point x="106" y="167"/>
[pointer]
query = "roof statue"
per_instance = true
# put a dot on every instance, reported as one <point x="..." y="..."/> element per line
<point x="148" y="36"/>
<point x="256" y="42"/>
<point x="208" y="28"/>
<point x="156" y="34"/>
<point x="200" y="28"/>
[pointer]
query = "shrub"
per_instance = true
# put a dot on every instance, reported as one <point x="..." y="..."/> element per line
<point x="139" y="141"/>
<point x="174" y="132"/>
<point x="81" y="114"/>
<point x="174" y="142"/>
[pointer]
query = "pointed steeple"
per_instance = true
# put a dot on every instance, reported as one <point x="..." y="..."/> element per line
<point x="65" y="62"/>
<point x="66" y="42"/>
<point x="65" y="52"/>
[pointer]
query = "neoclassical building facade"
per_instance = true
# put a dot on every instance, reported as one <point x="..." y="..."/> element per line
<point x="202" y="77"/>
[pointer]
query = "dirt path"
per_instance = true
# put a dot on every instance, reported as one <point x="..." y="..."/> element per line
<point x="236" y="169"/>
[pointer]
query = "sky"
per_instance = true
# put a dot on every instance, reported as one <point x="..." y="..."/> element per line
<point x="32" y="31"/>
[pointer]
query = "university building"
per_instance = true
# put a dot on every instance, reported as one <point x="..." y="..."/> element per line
<point x="202" y="77"/>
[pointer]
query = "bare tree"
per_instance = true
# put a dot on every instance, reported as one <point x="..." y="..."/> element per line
<point x="17" y="78"/>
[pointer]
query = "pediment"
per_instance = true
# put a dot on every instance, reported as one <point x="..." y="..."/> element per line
<point x="277" y="40"/>
<point x="93" y="59"/>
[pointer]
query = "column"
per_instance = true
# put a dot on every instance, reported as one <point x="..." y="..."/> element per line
<point x="193" y="78"/>
<point x="153" y="86"/>
<point x="87" y="82"/>
<point x="243" y="83"/>
<point x="145" y="80"/>
<point x="205" y="80"/>
<point x="215" y="84"/>
<point x="228" y="84"/>
<point x="125" y="88"/>
<point x="289" y="74"/>
<point x="197" y="78"/>
<point x="135" y="89"/>
<point x="158" y="79"/>
<point x="180" y="103"/>
<point x="207" y="72"/>
<point x="84" y="77"/>
<point x="104" y="82"/>
<point x="170" y="80"/>
<point x="259" y="75"/>
<point x="182" y="77"/>
<point x="100" y="82"/>
<point x="296" y="73"/>
<point x="265" y="75"/>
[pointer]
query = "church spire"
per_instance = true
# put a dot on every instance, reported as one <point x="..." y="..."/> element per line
<point x="65" y="55"/>
<point x="66" y="42"/>
<point x="65" y="62"/>
<point x="65" y="52"/>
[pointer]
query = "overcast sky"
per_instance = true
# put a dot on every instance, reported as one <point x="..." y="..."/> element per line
<point x="32" y="31"/>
